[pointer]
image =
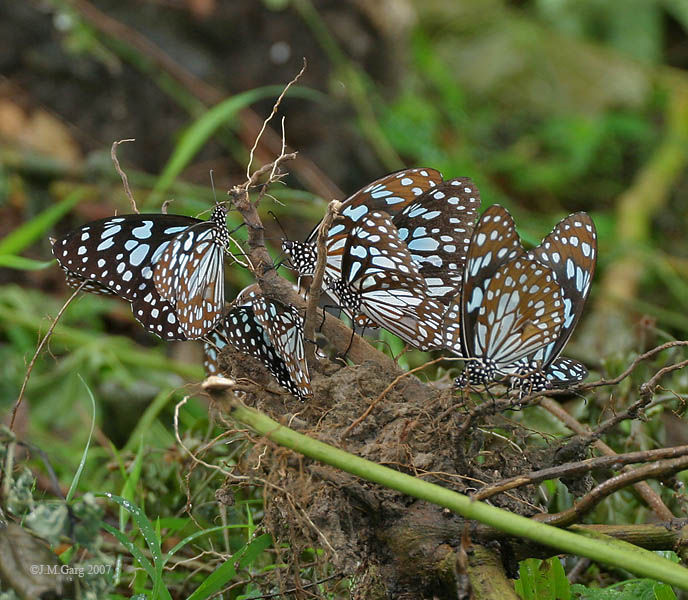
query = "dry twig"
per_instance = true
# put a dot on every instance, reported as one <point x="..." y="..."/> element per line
<point x="317" y="281"/>
<point x="643" y="488"/>
<point x="42" y="343"/>
<point x="123" y="175"/>
<point x="579" y="468"/>
<point x="656" y="470"/>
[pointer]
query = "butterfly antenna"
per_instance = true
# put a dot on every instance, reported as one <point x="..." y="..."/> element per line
<point x="284" y="233"/>
<point x="212" y="185"/>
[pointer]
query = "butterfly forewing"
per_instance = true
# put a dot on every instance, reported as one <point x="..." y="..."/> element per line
<point x="570" y="250"/>
<point x="494" y="242"/>
<point x="111" y="252"/>
<point x="390" y="193"/>
<point x="437" y="230"/>
<point x="117" y="256"/>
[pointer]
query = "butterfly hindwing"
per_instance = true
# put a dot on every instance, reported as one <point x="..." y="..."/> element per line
<point x="267" y="330"/>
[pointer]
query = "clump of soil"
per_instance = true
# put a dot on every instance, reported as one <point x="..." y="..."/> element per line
<point x="392" y="545"/>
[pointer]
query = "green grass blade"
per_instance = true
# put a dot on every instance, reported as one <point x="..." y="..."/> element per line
<point x="82" y="462"/>
<point x="151" y="539"/>
<point x="198" y="133"/>
<point x="190" y="538"/>
<point x="129" y="486"/>
<point x="227" y="570"/>
<point x="132" y="548"/>
<point x="255" y="549"/>
<point x="10" y="261"/>
<point x="26" y="234"/>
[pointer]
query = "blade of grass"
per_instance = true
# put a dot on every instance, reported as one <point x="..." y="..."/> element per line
<point x="132" y="548"/>
<point x="198" y="133"/>
<point x="190" y="538"/>
<point x="26" y="234"/>
<point x="150" y="537"/>
<point x="130" y="484"/>
<point x="82" y="462"/>
<point x="227" y="570"/>
<point x="10" y="261"/>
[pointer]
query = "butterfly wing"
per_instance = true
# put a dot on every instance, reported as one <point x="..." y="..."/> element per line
<point x="564" y="372"/>
<point x="390" y="193"/>
<point x="520" y="311"/>
<point x="494" y="242"/>
<point x="110" y="252"/>
<point x="117" y="256"/>
<point x="570" y="250"/>
<point x="190" y="275"/>
<point x="378" y="269"/>
<point x="437" y="230"/>
<point x="268" y="331"/>
<point x="240" y="330"/>
<point x="284" y="327"/>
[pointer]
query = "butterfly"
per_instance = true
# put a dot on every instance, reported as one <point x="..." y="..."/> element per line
<point x="267" y="330"/>
<point x="170" y="267"/>
<point x="380" y="280"/>
<point x="517" y="310"/>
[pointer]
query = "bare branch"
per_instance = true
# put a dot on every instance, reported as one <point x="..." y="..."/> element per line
<point x="122" y="174"/>
<point x="275" y="107"/>
<point x="643" y="488"/>
<point x="578" y="468"/>
<point x="657" y="470"/>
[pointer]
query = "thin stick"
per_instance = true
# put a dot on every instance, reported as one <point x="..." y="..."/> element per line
<point x="579" y="468"/>
<point x="379" y="399"/>
<point x="122" y="174"/>
<point x="642" y="487"/>
<point x="42" y="343"/>
<point x="275" y="106"/>
<point x="316" y="284"/>
<point x="655" y="470"/>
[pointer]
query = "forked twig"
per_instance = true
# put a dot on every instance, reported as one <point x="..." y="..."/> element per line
<point x="122" y="174"/>
<point x="42" y="343"/>
<point x="316" y="284"/>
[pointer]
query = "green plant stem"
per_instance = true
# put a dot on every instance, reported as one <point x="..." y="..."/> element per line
<point x="121" y="346"/>
<point x="602" y="549"/>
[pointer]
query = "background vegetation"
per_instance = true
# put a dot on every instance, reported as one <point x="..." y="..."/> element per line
<point x="551" y="106"/>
